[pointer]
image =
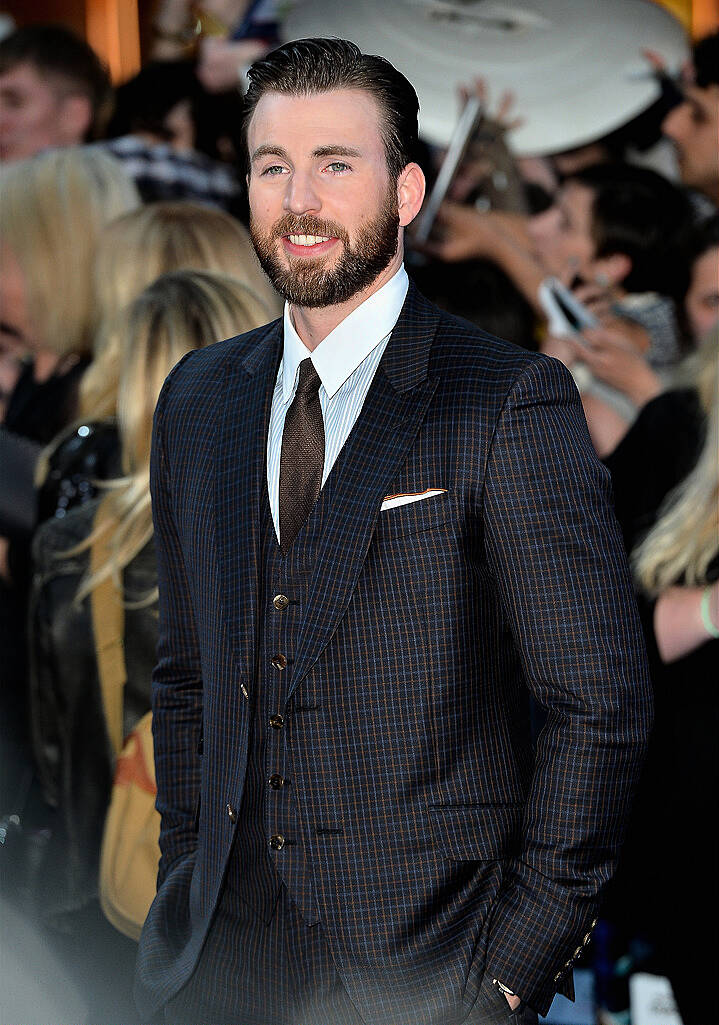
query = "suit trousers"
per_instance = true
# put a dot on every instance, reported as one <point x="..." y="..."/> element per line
<point x="281" y="973"/>
<point x="252" y="972"/>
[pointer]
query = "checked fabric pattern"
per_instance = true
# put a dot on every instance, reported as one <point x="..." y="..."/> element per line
<point x="440" y="843"/>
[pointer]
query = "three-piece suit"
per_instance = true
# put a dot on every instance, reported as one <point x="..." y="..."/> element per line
<point x="370" y="687"/>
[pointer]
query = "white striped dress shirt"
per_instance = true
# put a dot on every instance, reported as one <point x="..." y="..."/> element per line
<point x="346" y="361"/>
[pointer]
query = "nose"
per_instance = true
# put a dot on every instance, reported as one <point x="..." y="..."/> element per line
<point x="673" y="125"/>
<point x="301" y="195"/>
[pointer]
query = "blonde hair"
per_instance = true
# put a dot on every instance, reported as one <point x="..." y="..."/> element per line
<point x="54" y="206"/>
<point x="136" y="250"/>
<point x="181" y="311"/>
<point x="685" y="538"/>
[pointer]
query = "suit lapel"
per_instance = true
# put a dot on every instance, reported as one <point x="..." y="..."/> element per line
<point x="378" y="444"/>
<point x="240" y="467"/>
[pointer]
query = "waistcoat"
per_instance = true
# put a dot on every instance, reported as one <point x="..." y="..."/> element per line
<point x="270" y="843"/>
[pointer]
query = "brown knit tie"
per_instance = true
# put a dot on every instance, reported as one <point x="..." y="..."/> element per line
<point x="303" y="455"/>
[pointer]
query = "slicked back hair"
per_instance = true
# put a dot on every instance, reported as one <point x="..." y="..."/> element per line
<point x="306" y="67"/>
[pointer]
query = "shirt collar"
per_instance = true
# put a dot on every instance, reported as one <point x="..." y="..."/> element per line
<point x="341" y="352"/>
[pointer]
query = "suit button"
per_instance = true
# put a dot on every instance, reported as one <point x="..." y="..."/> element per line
<point x="280" y="602"/>
<point x="277" y="842"/>
<point x="279" y="661"/>
<point x="276" y="781"/>
<point x="231" y="813"/>
<point x="277" y="721"/>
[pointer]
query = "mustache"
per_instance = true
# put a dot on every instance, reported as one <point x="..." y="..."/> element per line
<point x="292" y="224"/>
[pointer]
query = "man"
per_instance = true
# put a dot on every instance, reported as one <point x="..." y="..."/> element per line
<point x="53" y="91"/>
<point x="693" y="125"/>
<point x="376" y="527"/>
<point x="615" y="224"/>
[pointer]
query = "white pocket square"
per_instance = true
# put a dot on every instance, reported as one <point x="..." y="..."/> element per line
<point x="392" y="501"/>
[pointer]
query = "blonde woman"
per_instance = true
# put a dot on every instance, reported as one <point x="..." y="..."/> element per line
<point x="136" y="250"/>
<point x="671" y="851"/>
<point x="181" y="311"/>
<point x="53" y="208"/>
<point x="132" y="252"/>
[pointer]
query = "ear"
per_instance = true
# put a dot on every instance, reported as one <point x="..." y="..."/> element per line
<point x="74" y="118"/>
<point x="410" y="193"/>
<point x="614" y="268"/>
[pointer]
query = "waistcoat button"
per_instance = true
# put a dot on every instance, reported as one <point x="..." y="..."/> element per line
<point x="280" y="602"/>
<point x="277" y="842"/>
<point x="276" y="781"/>
<point x="231" y="813"/>
<point x="279" y="661"/>
<point x="276" y="721"/>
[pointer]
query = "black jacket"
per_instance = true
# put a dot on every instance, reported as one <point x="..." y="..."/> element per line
<point x="72" y="750"/>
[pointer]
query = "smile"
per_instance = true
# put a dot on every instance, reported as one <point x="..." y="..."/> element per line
<point x="306" y="246"/>
<point x="307" y="240"/>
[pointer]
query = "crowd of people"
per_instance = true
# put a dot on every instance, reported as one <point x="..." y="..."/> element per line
<point x="125" y="245"/>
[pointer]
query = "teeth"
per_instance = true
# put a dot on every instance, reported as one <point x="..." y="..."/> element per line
<point x="307" y="240"/>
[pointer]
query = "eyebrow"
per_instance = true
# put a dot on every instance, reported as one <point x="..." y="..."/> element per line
<point x="268" y="149"/>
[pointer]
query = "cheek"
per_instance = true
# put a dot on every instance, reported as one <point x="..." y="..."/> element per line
<point x="265" y="206"/>
<point x="705" y="143"/>
<point x="38" y="117"/>
<point x="13" y="299"/>
<point x="703" y="313"/>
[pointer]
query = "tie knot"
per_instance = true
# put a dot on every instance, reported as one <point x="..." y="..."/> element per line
<point x="309" y="381"/>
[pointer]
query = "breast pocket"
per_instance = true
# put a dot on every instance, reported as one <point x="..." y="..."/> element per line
<point x="414" y="517"/>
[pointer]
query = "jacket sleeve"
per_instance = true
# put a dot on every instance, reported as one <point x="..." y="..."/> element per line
<point x="177" y="678"/>
<point x="557" y="558"/>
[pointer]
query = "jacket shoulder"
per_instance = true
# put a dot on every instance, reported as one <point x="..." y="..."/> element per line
<point x="200" y="369"/>
<point x="463" y="352"/>
<point x="56" y="535"/>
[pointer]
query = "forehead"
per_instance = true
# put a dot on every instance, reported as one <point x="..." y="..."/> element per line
<point x="26" y="78"/>
<point x="343" y="117"/>
<point x="705" y="267"/>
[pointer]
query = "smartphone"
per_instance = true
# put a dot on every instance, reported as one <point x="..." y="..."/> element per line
<point x="467" y="125"/>
<point x="565" y="313"/>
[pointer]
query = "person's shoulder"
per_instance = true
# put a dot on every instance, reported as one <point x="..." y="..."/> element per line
<point x="57" y="535"/>
<point x="464" y="350"/>
<point x="199" y="369"/>
<point x="674" y="409"/>
<point x="673" y="422"/>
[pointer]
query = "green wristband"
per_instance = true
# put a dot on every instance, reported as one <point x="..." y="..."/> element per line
<point x="710" y="628"/>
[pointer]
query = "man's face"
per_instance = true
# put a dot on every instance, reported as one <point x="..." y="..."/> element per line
<point x="693" y="127"/>
<point x="702" y="300"/>
<point x="323" y="210"/>
<point x="37" y="113"/>
<point x="562" y="235"/>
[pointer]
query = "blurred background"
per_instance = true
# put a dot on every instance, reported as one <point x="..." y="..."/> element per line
<point x="580" y="220"/>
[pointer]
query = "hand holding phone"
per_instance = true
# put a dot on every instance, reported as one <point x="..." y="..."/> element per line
<point x="566" y="315"/>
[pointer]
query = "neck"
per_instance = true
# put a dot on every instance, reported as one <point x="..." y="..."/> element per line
<point x="313" y="325"/>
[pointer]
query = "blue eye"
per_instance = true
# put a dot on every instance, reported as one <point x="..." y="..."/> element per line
<point x="338" y="166"/>
<point x="273" y="170"/>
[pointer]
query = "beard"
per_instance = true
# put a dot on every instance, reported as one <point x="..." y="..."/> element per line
<point x="306" y="282"/>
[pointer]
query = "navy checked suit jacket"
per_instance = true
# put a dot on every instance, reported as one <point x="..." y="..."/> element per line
<point x="425" y="628"/>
